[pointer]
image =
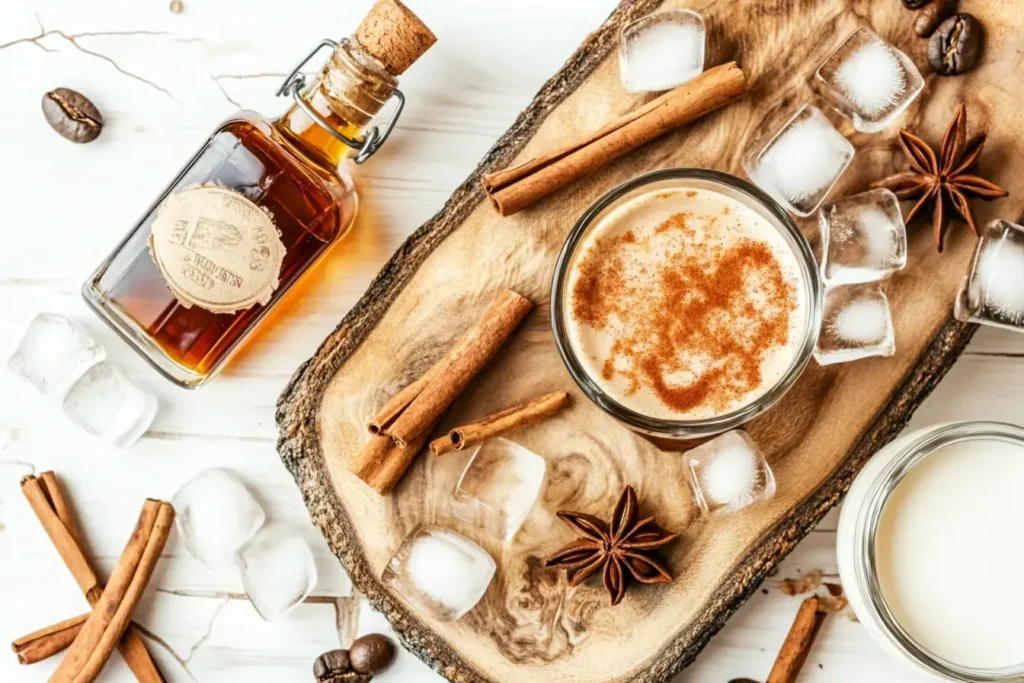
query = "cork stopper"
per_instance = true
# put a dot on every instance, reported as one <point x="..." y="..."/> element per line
<point x="394" y="36"/>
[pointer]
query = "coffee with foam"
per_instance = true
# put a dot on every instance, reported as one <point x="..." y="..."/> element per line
<point x="685" y="304"/>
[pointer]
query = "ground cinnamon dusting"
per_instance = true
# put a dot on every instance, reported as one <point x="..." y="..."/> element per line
<point x="717" y="308"/>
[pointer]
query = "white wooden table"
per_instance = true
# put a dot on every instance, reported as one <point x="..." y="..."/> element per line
<point x="162" y="82"/>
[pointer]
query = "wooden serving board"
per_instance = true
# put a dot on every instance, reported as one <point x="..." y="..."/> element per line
<point x="530" y="626"/>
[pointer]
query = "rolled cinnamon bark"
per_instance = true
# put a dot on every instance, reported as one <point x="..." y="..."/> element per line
<point x="382" y="462"/>
<point x="51" y="508"/>
<point x="798" y="642"/>
<point x="513" y="189"/>
<point x="459" y="366"/>
<point x="399" y="402"/>
<point x="499" y="423"/>
<point x="112" y="614"/>
<point x="46" y="642"/>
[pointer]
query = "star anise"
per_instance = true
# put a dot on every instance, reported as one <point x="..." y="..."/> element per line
<point x="943" y="179"/>
<point x="623" y="549"/>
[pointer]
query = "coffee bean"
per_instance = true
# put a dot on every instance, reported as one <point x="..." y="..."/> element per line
<point x="372" y="653"/>
<point x="955" y="46"/>
<point x="914" y="4"/>
<point x="932" y="15"/>
<point x="176" y="6"/>
<point x="331" y="664"/>
<point x="72" y="115"/>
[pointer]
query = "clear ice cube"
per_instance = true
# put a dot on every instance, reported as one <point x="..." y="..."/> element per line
<point x="216" y="516"/>
<point x="869" y="81"/>
<point x="801" y="161"/>
<point x="863" y="238"/>
<point x="441" y="573"/>
<point x="278" y="571"/>
<point x="856" y="323"/>
<point x="498" y="487"/>
<point x="729" y="472"/>
<point x="53" y="353"/>
<point x="993" y="291"/>
<point x="661" y="51"/>
<point x="106" y="404"/>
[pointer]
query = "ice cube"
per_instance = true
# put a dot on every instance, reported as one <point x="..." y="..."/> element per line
<point x="863" y="238"/>
<point x="278" y="571"/>
<point x="801" y="161"/>
<point x="53" y="353"/>
<point x="869" y="81"/>
<point x="729" y="472"/>
<point x="216" y="515"/>
<point x="993" y="291"/>
<point x="856" y="323"/>
<point x="439" y="572"/>
<point x="660" y="51"/>
<point x="498" y="487"/>
<point x="106" y="404"/>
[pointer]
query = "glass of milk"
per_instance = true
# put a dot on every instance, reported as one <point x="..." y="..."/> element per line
<point x="930" y="552"/>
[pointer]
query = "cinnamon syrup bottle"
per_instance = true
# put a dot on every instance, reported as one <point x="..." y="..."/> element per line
<point x="255" y="207"/>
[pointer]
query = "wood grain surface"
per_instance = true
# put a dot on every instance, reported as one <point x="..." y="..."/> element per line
<point x="529" y="626"/>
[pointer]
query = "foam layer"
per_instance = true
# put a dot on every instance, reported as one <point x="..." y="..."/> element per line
<point x="685" y="304"/>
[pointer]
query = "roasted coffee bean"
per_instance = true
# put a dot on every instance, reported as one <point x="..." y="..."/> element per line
<point x="932" y="15"/>
<point x="955" y="46"/>
<point x="914" y="4"/>
<point x="372" y="653"/>
<point x="72" y="115"/>
<point x="331" y="663"/>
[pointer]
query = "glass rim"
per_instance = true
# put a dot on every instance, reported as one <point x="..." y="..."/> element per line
<point x="865" y="563"/>
<point x="694" y="428"/>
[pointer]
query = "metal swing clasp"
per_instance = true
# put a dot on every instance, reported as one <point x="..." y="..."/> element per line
<point x="368" y="145"/>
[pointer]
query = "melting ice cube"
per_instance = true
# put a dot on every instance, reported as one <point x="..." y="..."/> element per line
<point x="498" y="487"/>
<point x="801" y="161"/>
<point x="863" y="238"/>
<point x="993" y="291"/>
<point x="661" y="51"/>
<point x="439" y="572"/>
<point x="869" y="81"/>
<point x="106" y="404"/>
<point x="856" y="324"/>
<point x="53" y="353"/>
<point x="216" y="515"/>
<point x="729" y="472"/>
<point x="278" y="571"/>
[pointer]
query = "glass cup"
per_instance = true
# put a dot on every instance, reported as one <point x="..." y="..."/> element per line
<point x="673" y="433"/>
<point x="861" y="524"/>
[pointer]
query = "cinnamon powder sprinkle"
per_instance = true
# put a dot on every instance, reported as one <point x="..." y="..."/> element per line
<point x="694" y="329"/>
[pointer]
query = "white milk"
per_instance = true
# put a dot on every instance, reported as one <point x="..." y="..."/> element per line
<point x="704" y="227"/>
<point x="950" y="552"/>
<point x="948" y="549"/>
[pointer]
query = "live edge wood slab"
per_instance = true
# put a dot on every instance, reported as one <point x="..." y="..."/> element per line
<point x="530" y="626"/>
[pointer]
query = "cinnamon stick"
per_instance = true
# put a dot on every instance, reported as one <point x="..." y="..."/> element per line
<point x="499" y="423"/>
<point x="513" y="189"/>
<point x="112" y="614"/>
<point x="382" y="462"/>
<point x="459" y="366"/>
<point x="51" y="508"/>
<point x="46" y="642"/>
<point x="798" y="642"/>
<point x="393" y="408"/>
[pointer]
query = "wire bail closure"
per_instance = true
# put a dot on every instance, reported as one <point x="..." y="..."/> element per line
<point x="368" y="145"/>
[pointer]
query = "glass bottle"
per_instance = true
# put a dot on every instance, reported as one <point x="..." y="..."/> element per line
<point x="258" y="204"/>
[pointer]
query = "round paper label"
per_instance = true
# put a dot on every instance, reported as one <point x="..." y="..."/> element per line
<point x="216" y="249"/>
